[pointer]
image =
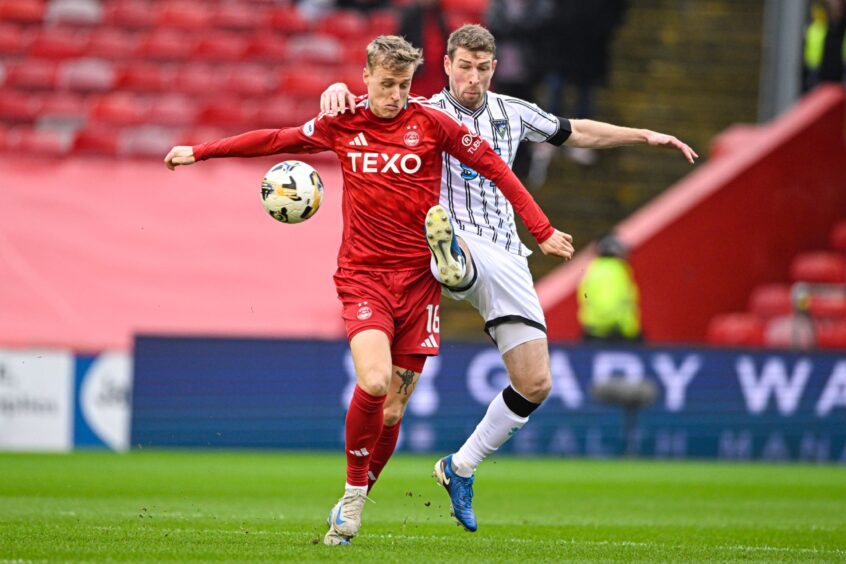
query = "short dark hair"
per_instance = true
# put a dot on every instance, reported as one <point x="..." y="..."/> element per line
<point x="472" y="37"/>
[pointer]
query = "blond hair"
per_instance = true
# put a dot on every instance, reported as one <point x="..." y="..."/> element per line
<point x="393" y="52"/>
<point x="472" y="37"/>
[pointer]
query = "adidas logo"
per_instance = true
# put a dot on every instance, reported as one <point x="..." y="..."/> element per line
<point x="430" y="342"/>
<point x="362" y="452"/>
<point x="359" y="140"/>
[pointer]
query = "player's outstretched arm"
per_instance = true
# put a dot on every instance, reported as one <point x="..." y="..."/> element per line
<point x="558" y="244"/>
<point x="181" y="155"/>
<point x="336" y="99"/>
<point x="592" y="134"/>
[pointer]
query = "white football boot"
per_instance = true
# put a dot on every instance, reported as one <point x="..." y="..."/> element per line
<point x="345" y="518"/>
<point x="440" y="236"/>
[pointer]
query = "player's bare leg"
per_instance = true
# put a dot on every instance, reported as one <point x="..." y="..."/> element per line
<point x="451" y="256"/>
<point x="371" y="354"/>
<point x="531" y="382"/>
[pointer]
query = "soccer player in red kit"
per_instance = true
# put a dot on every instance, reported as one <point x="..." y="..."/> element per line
<point x="391" y="158"/>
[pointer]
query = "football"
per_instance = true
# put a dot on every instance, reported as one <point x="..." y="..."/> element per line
<point x="291" y="191"/>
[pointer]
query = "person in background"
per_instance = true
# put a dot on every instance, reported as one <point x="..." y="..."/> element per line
<point x="795" y="330"/>
<point x="609" y="306"/>
<point x="518" y="26"/>
<point x="581" y="62"/>
<point x="422" y="23"/>
<point x="363" y="6"/>
<point x="831" y="63"/>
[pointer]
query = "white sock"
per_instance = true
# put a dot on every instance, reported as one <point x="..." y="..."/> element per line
<point x="348" y="487"/>
<point x="495" y="428"/>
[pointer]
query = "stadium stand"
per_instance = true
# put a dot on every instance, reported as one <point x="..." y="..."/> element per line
<point x="242" y="52"/>
<point x="710" y="240"/>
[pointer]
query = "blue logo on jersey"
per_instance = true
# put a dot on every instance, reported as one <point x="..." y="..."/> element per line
<point x="468" y="173"/>
<point x="500" y="126"/>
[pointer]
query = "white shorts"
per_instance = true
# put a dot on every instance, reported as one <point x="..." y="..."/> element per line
<point x="503" y="291"/>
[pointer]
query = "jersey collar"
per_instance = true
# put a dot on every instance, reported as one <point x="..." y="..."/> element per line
<point x="464" y="110"/>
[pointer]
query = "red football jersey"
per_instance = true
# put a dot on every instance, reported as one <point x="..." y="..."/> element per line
<point x="392" y="176"/>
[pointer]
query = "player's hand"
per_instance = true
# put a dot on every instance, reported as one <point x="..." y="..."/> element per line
<point x="179" y="155"/>
<point x="336" y="99"/>
<point x="558" y="244"/>
<point x="663" y="140"/>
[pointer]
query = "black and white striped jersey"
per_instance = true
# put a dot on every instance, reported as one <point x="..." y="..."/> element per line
<point x="474" y="202"/>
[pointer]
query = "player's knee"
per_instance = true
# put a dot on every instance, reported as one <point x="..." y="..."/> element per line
<point x="374" y="382"/>
<point x="535" y="388"/>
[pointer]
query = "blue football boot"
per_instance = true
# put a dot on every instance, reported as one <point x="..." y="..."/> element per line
<point x="460" y="492"/>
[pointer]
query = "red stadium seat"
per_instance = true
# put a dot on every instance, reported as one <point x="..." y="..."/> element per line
<point x="40" y="142"/>
<point x="29" y="11"/>
<point x="147" y="141"/>
<point x="120" y="109"/>
<point x="383" y="23"/>
<point x="831" y="334"/>
<point x="145" y="77"/>
<point x="736" y="329"/>
<point x="314" y="48"/>
<point x="238" y="15"/>
<point x="172" y="110"/>
<point x="13" y="39"/>
<point x="76" y="12"/>
<point x="130" y="13"/>
<point x="18" y="107"/>
<point x="87" y="75"/>
<point x="251" y="80"/>
<point x="343" y="24"/>
<point x="182" y="14"/>
<point x="279" y="111"/>
<point x="474" y="6"/>
<point x="201" y="134"/>
<point x="819" y="266"/>
<point x="838" y="237"/>
<point x="286" y="19"/>
<point x="64" y="106"/>
<point x="32" y="74"/>
<point x="220" y="46"/>
<point x="828" y="301"/>
<point x="226" y="112"/>
<point x="113" y="43"/>
<point x="302" y="82"/>
<point x="770" y="300"/>
<point x="58" y="43"/>
<point x="96" y="140"/>
<point x="196" y="79"/>
<point x="267" y="46"/>
<point x="166" y="45"/>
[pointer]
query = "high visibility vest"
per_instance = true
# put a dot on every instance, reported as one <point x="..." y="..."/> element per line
<point x="609" y="299"/>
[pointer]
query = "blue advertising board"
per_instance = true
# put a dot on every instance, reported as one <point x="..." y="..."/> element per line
<point x="716" y="403"/>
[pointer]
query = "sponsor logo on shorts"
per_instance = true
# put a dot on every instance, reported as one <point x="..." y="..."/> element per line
<point x="430" y="342"/>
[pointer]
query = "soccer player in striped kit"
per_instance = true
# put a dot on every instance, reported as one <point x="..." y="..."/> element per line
<point x="486" y="263"/>
<point x="390" y="152"/>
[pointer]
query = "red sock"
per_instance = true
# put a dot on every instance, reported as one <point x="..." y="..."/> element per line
<point x="364" y="424"/>
<point x="382" y="453"/>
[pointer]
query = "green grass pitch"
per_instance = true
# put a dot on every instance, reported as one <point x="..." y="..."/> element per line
<point x="270" y="506"/>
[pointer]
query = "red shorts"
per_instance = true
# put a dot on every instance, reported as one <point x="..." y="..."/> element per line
<point x="404" y="304"/>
